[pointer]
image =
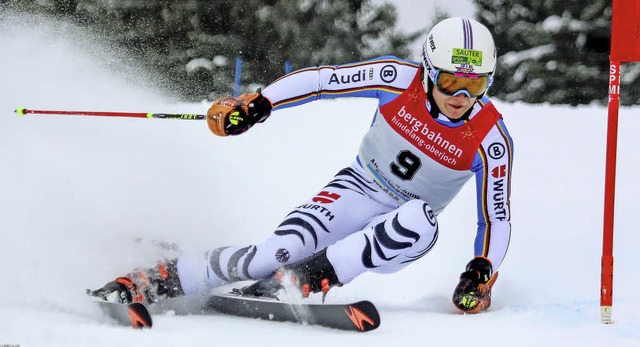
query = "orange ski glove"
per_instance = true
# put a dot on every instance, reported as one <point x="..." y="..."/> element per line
<point x="234" y="116"/>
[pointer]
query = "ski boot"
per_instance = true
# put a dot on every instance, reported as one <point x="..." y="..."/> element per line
<point x="311" y="275"/>
<point x="145" y="286"/>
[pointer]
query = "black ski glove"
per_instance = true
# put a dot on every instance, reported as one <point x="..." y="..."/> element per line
<point x="473" y="292"/>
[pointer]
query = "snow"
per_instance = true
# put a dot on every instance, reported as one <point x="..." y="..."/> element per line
<point x="554" y="24"/>
<point x="78" y="191"/>
<point x="514" y="58"/>
<point x="199" y="63"/>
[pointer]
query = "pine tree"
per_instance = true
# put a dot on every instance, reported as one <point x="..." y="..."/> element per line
<point x="195" y="42"/>
<point x="554" y="51"/>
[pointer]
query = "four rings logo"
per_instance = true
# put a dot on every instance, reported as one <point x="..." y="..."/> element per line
<point x="388" y="73"/>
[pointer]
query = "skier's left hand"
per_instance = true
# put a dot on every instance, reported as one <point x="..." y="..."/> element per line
<point x="473" y="292"/>
<point x="234" y="116"/>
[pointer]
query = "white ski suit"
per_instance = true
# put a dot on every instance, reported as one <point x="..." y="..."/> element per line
<point x="379" y="214"/>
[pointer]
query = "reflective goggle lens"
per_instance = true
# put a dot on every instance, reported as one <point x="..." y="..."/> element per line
<point x="455" y="83"/>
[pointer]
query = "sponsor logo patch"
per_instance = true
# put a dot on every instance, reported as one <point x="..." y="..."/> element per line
<point x="499" y="208"/>
<point x="325" y="197"/>
<point x="388" y="73"/>
<point x="496" y="150"/>
<point x="282" y="255"/>
<point x="432" y="44"/>
<point x="499" y="171"/>
<point x="465" y="56"/>
<point x="342" y="78"/>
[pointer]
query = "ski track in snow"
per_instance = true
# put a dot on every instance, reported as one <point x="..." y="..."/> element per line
<point x="78" y="191"/>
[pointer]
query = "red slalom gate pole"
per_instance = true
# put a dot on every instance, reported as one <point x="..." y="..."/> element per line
<point x="21" y="111"/>
<point x="625" y="47"/>
<point x="606" y="284"/>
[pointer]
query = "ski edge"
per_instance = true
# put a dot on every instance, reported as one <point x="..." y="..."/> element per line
<point x="361" y="316"/>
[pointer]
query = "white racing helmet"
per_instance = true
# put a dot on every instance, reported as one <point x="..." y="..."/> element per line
<point x="459" y="47"/>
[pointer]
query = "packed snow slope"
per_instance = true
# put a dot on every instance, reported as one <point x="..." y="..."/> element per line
<point x="77" y="192"/>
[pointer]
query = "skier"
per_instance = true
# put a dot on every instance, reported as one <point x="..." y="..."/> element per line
<point x="433" y="130"/>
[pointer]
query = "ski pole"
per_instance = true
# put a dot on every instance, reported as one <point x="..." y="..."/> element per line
<point x="21" y="111"/>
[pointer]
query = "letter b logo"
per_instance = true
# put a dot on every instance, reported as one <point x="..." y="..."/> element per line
<point x="388" y="73"/>
<point x="496" y="150"/>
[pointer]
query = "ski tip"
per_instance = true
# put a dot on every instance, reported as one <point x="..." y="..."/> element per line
<point x="20" y="111"/>
<point x="363" y="315"/>
<point x="135" y="315"/>
<point x="139" y="316"/>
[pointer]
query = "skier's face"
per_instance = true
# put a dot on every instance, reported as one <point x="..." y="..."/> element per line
<point x="452" y="106"/>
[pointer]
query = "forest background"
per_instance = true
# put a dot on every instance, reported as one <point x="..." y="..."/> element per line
<point x="553" y="51"/>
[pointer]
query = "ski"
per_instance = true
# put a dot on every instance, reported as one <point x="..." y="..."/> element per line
<point x="359" y="316"/>
<point x="135" y="315"/>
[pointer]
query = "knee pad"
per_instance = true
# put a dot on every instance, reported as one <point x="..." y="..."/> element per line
<point x="417" y="216"/>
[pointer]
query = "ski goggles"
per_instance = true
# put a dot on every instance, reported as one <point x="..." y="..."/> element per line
<point x="456" y="83"/>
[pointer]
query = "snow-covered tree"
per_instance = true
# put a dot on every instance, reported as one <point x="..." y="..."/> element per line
<point x="195" y="42"/>
<point x="554" y="51"/>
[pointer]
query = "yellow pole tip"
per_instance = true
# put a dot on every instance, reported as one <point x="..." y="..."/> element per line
<point x="20" y="111"/>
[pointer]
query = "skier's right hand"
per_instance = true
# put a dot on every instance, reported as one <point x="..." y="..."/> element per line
<point x="473" y="292"/>
<point x="234" y="116"/>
